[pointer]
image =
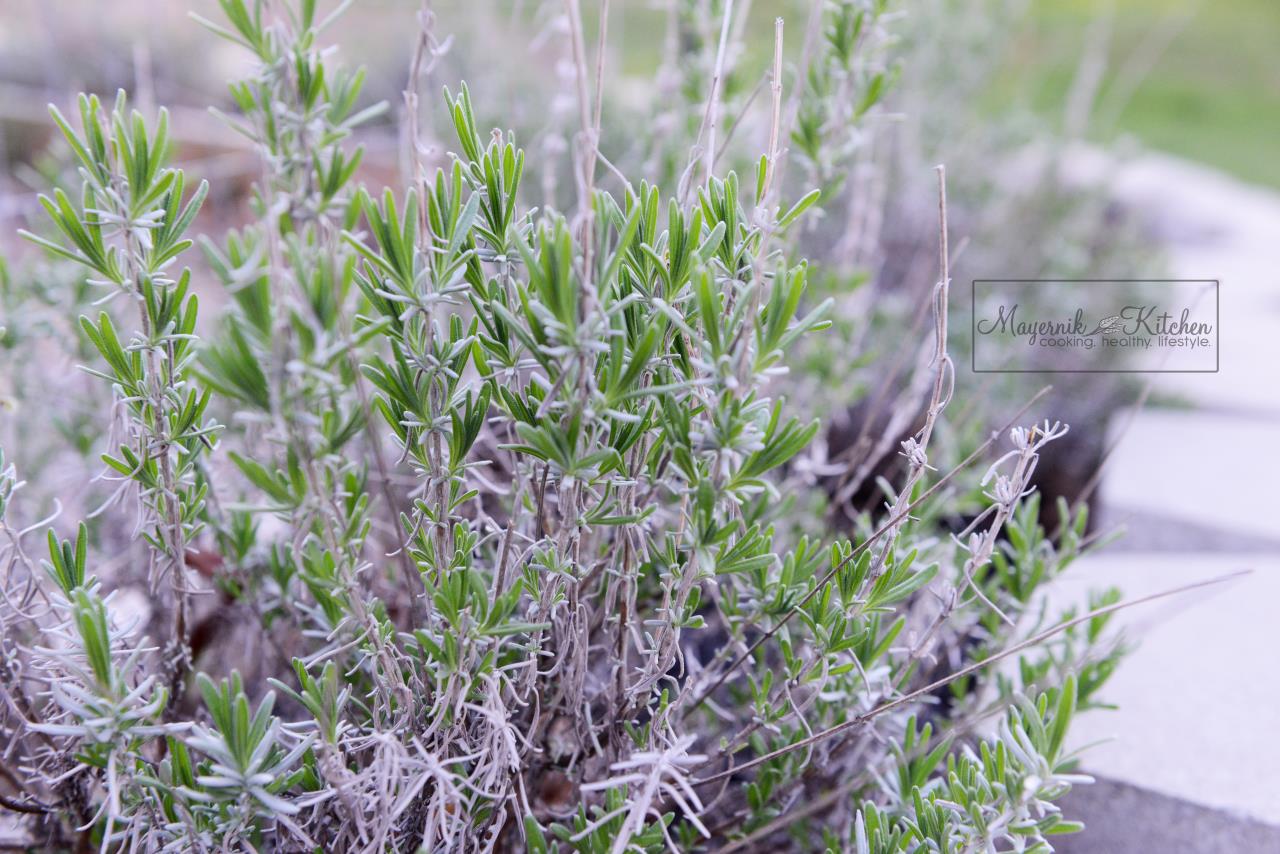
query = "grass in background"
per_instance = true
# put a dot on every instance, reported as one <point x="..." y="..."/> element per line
<point x="1213" y="95"/>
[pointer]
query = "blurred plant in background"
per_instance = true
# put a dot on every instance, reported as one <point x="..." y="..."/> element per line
<point x="494" y="512"/>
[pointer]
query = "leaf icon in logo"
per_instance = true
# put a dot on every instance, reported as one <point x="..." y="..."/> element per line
<point x="1107" y="324"/>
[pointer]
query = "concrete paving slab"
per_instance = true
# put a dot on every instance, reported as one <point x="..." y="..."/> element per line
<point x="1199" y="698"/>
<point x="1214" y="469"/>
<point x="1214" y="226"/>
<point x="1124" y="819"/>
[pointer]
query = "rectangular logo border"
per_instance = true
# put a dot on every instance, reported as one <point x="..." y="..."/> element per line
<point x="1217" y="326"/>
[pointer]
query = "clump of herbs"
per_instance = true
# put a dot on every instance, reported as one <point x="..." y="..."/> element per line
<point x="501" y="496"/>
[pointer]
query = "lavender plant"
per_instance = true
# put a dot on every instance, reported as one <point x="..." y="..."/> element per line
<point x="589" y="618"/>
<point x="128" y="228"/>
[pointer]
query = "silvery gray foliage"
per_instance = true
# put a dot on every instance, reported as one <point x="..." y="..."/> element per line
<point x="505" y="490"/>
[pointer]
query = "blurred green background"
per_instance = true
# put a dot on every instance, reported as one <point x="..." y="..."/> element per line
<point x="1195" y="78"/>
<point x="1200" y="79"/>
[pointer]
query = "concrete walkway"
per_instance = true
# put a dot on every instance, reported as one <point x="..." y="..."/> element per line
<point x="1197" y="696"/>
<point x="1125" y="819"/>
<point x="1200" y="696"/>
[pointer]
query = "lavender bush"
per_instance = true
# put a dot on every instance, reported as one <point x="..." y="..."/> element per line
<point x="510" y="509"/>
